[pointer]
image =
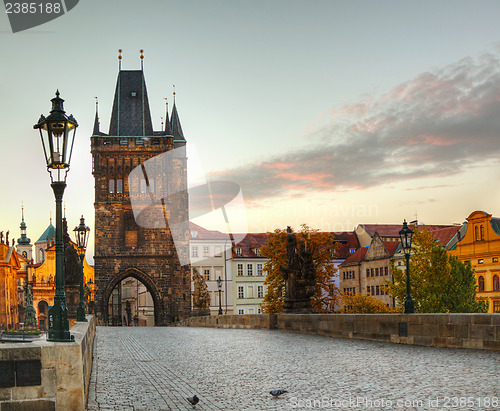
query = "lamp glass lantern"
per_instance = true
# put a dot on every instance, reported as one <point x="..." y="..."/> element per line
<point x="405" y="235"/>
<point x="81" y="234"/>
<point x="57" y="132"/>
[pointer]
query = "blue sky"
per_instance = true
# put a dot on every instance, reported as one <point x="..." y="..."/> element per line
<point x="330" y="113"/>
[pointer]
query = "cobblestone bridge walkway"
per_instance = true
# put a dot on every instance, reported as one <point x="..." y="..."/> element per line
<point x="138" y="368"/>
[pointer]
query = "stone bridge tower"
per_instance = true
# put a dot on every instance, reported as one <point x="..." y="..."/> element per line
<point x="141" y="204"/>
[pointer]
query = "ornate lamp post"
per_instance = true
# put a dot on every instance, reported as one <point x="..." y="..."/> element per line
<point x="82" y="238"/>
<point x="57" y="132"/>
<point x="219" y="284"/>
<point x="405" y="235"/>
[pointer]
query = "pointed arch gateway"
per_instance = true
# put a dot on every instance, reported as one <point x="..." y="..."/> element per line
<point x="144" y="279"/>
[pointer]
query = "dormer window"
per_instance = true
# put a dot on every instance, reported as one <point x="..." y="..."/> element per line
<point x="237" y="250"/>
<point x="256" y="251"/>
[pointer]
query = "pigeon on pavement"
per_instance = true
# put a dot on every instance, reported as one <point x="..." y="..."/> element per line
<point x="193" y="400"/>
<point x="277" y="393"/>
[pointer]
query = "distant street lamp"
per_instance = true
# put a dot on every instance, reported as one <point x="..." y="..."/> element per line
<point x="82" y="238"/>
<point x="57" y="132"/>
<point x="219" y="284"/>
<point x="405" y="235"/>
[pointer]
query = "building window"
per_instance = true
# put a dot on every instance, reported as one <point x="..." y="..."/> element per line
<point x="237" y="250"/>
<point x="240" y="269"/>
<point x="371" y="272"/>
<point x="480" y="283"/>
<point x="241" y="293"/>
<point x="259" y="310"/>
<point x="250" y="269"/>
<point x="206" y="274"/>
<point x="496" y="306"/>
<point x="241" y="311"/>
<point x="495" y="259"/>
<point x="496" y="283"/>
<point x="476" y="232"/>
<point x="194" y="251"/>
<point x="260" y="267"/>
<point x="257" y="251"/>
<point x="119" y="186"/>
<point x="111" y="186"/>
<point x="206" y="251"/>
<point x="480" y="261"/>
<point x="376" y="272"/>
<point x="386" y="270"/>
<point x="482" y="233"/>
<point x="377" y="290"/>
<point x="260" y="291"/>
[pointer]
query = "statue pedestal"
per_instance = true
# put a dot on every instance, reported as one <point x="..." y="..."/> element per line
<point x="72" y="299"/>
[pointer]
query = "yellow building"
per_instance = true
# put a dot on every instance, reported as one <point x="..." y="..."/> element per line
<point x="42" y="275"/>
<point x="9" y="264"/>
<point x="481" y="246"/>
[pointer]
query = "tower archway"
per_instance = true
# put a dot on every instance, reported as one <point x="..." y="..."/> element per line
<point x="141" y="277"/>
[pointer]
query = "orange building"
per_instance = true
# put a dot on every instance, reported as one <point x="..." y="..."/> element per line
<point x="481" y="246"/>
<point x="9" y="264"/>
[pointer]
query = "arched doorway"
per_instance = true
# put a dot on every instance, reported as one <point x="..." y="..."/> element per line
<point x="43" y="313"/>
<point x="131" y="298"/>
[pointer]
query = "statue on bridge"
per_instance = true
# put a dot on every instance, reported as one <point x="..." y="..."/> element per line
<point x="299" y="276"/>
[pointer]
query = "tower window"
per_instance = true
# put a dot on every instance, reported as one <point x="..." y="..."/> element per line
<point x="119" y="186"/>
<point x="133" y="94"/>
<point x="111" y="186"/>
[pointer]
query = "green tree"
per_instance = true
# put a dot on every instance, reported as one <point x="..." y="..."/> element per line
<point x="321" y="244"/>
<point x="439" y="283"/>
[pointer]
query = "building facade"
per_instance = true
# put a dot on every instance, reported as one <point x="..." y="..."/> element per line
<point x="480" y="245"/>
<point x="9" y="299"/>
<point x="141" y="204"/>
<point x="247" y="267"/>
<point x="211" y="257"/>
<point x="368" y="270"/>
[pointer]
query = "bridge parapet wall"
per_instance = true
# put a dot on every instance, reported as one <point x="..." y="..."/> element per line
<point x="476" y="331"/>
<point x="42" y="375"/>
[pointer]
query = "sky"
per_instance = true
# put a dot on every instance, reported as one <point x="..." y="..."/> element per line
<point x="329" y="113"/>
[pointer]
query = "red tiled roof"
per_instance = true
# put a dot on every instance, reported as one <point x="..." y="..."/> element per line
<point x="346" y="241"/>
<point x="249" y="243"/>
<point x="205" y="234"/>
<point x="392" y="230"/>
<point x="444" y="235"/>
<point x="391" y="247"/>
<point x="356" y="257"/>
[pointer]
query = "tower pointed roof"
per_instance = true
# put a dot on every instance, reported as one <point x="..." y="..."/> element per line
<point x="168" y="129"/>
<point x="49" y="232"/>
<point x="96" y="132"/>
<point x="131" y="115"/>
<point x="24" y="240"/>
<point x="175" y="125"/>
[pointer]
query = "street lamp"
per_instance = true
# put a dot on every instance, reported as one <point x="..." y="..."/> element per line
<point x="219" y="284"/>
<point x="82" y="238"/>
<point x="57" y="132"/>
<point x="405" y="235"/>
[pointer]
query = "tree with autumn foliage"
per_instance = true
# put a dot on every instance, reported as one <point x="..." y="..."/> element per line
<point x="363" y="304"/>
<point x="321" y="245"/>
<point x="439" y="283"/>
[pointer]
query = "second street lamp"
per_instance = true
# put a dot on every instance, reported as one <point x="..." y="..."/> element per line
<point x="219" y="285"/>
<point x="82" y="238"/>
<point x="405" y="236"/>
<point x="57" y="132"/>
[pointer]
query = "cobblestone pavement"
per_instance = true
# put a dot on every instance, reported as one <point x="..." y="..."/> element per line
<point x="139" y="368"/>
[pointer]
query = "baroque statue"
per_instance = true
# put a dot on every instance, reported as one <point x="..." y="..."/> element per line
<point x="299" y="276"/>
